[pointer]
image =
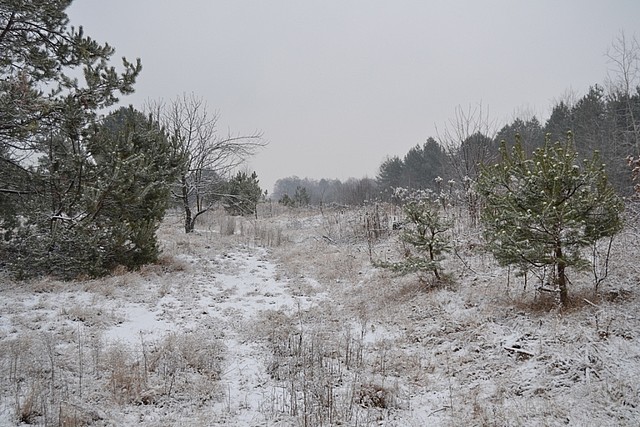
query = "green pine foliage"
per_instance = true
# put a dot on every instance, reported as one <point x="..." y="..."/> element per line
<point x="79" y="195"/>
<point x="417" y="170"/>
<point x="425" y="236"/>
<point x="540" y="211"/>
<point x="128" y="191"/>
<point x="299" y="199"/>
<point x="100" y="208"/>
<point x="242" y="194"/>
<point x="37" y="47"/>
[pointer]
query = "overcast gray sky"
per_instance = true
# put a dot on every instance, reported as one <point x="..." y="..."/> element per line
<point x="338" y="85"/>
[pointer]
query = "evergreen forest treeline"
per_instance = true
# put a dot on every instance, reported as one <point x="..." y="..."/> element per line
<point x="606" y="122"/>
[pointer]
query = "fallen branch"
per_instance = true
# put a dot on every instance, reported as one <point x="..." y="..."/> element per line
<point x="547" y="289"/>
<point x="329" y="239"/>
<point x="590" y="303"/>
<point x="455" y="251"/>
<point x="439" y="410"/>
<point x="10" y="191"/>
<point x="519" y="351"/>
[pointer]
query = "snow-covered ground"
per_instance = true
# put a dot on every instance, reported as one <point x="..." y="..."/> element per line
<point x="286" y="322"/>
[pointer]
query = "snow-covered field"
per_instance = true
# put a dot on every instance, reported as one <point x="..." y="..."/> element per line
<point x="283" y="321"/>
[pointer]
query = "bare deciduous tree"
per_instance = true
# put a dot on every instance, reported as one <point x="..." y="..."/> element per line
<point x="208" y="157"/>
<point x="624" y="79"/>
<point x="467" y="139"/>
<point x="463" y="138"/>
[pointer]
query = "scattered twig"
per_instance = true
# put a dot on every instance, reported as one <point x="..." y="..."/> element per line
<point x="329" y="239"/>
<point x="547" y="289"/>
<point x="519" y="351"/>
<point x="466" y="264"/>
<point x="590" y="303"/>
<point x="444" y="408"/>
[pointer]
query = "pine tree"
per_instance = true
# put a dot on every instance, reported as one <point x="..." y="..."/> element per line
<point x="242" y="194"/>
<point x="390" y="175"/>
<point x="128" y="184"/>
<point x="89" y="193"/>
<point x="540" y="211"/>
<point x="425" y="233"/>
<point x="37" y="48"/>
<point x="301" y="197"/>
<point x="107" y="218"/>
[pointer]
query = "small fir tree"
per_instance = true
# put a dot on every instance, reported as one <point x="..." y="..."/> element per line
<point x="242" y="194"/>
<point x="425" y="233"/>
<point x="300" y="198"/>
<point x="541" y="211"/>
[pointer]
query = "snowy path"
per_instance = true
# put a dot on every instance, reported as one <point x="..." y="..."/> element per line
<point x="226" y="296"/>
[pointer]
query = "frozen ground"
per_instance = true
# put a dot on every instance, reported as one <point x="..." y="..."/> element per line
<point x="285" y="322"/>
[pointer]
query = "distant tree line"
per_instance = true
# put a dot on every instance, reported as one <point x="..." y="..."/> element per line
<point x="418" y="169"/>
<point x="294" y="191"/>
<point x="603" y="121"/>
<point x="607" y="123"/>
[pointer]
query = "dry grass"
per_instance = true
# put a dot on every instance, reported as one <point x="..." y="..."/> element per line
<point x="362" y="347"/>
<point x="456" y="337"/>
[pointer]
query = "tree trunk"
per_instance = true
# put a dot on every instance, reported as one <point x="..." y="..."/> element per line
<point x="188" y="222"/>
<point x="433" y="258"/>
<point x="562" y="278"/>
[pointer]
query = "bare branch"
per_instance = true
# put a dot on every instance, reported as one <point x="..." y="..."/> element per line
<point x="18" y="192"/>
<point x="456" y="138"/>
<point x="208" y="157"/>
<point x="7" y="28"/>
<point x="624" y="58"/>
